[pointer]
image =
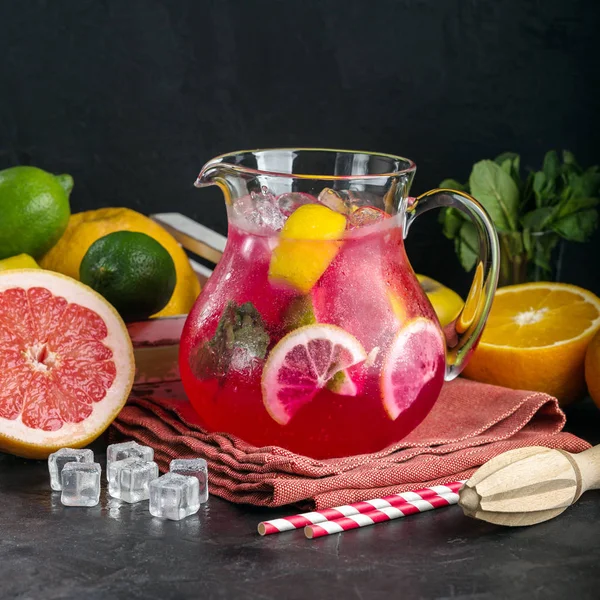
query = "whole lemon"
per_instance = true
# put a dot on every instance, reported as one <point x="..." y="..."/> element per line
<point x="21" y="261"/>
<point x="86" y="227"/>
<point x="34" y="210"/>
<point x="446" y="302"/>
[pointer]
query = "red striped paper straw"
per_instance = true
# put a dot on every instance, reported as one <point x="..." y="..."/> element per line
<point x="414" y="499"/>
<point x="379" y="516"/>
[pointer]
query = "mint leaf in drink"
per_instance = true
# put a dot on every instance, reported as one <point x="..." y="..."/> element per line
<point x="497" y="192"/>
<point x="240" y="335"/>
<point x="249" y="331"/>
<point x="299" y="313"/>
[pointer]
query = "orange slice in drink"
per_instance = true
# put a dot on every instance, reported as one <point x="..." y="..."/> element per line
<point x="414" y="363"/>
<point x="536" y="339"/>
<point x="302" y="363"/>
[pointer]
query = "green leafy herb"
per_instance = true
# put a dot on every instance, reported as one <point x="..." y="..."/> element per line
<point x="561" y="197"/>
<point x="498" y="193"/>
<point x="240" y="332"/>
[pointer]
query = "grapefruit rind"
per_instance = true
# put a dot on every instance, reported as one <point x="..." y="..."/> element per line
<point x="21" y="440"/>
<point x="310" y="383"/>
<point x="418" y="327"/>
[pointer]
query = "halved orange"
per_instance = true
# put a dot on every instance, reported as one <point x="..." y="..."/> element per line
<point x="536" y="338"/>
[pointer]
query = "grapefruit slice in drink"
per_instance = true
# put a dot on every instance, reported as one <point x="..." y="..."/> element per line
<point x="66" y="363"/>
<point x="303" y="362"/>
<point x="301" y="312"/>
<point x="415" y="361"/>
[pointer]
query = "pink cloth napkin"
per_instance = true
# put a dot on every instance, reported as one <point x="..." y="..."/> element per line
<point x="470" y="424"/>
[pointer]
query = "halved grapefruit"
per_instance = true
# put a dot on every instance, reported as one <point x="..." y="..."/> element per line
<point x="416" y="358"/>
<point x="66" y="363"/>
<point x="302" y="363"/>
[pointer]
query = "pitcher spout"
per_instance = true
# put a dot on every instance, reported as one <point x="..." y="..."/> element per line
<point x="220" y="174"/>
<point x="209" y="175"/>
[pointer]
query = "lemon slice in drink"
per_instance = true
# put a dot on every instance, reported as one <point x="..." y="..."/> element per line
<point x="309" y="241"/>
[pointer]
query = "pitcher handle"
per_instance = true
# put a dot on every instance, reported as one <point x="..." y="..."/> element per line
<point x="463" y="334"/>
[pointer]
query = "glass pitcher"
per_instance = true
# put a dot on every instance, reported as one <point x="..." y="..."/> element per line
<point x="313" y="332"/>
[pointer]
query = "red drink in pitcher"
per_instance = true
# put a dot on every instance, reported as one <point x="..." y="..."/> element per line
<point x="313" y="332"/>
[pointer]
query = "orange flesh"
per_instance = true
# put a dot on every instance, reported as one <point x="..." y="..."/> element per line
<point x="538" y="317"/>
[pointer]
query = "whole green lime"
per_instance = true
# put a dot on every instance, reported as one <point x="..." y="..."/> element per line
<point x="132" y="271"/>
<point x="34" y="210"/>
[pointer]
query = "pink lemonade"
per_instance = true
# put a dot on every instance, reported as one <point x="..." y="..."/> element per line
<point x="348" y="363"/>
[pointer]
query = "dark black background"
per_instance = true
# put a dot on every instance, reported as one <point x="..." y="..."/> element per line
<point x="132" y="97"/>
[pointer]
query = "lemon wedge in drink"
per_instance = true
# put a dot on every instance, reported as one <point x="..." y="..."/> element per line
<point x="309" y="241"/>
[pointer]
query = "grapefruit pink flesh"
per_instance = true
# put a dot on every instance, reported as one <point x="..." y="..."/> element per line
<point x="302" y="363"/>
<point x="66" y="363"/>
<point x="416" y="358"/>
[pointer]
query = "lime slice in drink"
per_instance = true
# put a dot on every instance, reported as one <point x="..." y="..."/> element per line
<point x="341" y="383"/>
<point x="415" y="358"/>
<point x="302" y="363"/>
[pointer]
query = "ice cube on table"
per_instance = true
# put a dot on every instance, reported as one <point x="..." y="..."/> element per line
<point x="124" y="450"/>
<point x="193" y="467"/>
<point x="128" y="479"/>
<point x="174" y="496"/>
<point x="57" y="460"/>
<point x="80" y="483"/>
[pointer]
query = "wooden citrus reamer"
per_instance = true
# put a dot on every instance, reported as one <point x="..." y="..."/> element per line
<point x="529" y="485"/>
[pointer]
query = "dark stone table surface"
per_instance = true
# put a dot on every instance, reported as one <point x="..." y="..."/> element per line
<point x="118" y="550"/>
